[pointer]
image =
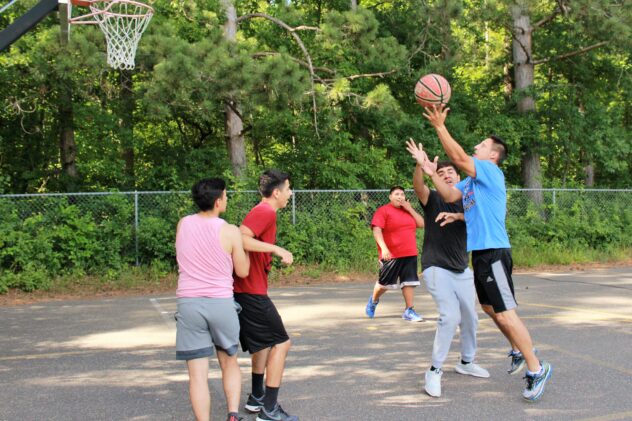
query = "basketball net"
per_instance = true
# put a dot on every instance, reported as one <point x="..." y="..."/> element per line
<point x="122" y="22"/>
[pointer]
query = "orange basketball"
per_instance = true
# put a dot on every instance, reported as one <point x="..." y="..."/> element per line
<point x="432" y="90"/>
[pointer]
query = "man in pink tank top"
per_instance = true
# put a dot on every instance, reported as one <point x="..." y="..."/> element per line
<point x="208" y="250"/>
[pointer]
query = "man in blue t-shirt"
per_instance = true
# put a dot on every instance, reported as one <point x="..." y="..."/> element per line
<point x="484" y="199"/>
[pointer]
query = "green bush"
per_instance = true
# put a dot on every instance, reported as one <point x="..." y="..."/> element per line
<point x="68" y="237"/>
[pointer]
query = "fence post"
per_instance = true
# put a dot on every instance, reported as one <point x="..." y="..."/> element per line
<point x="294" y="209"/>
<point x="136" y="225"/>
<point x="554" y="191"/>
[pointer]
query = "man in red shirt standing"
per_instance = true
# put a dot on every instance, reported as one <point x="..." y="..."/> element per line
<point x="394" y="228"/>
<point x="262" y="332"/>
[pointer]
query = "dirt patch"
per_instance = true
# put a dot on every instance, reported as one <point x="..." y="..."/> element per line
<point x="575" y="267"/>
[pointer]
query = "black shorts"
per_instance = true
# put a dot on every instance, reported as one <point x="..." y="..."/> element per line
<point x="402" y="268"/>
<point x="261" y="326"/>
<point x="492" y="277"/>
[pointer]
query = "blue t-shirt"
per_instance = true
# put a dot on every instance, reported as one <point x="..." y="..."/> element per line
<point x="485" y="207"/>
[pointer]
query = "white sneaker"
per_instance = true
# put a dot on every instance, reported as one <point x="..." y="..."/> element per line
<point x="433" y="383"/>
<point x="471" y="369"/>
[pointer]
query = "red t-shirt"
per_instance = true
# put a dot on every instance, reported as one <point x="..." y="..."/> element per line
<point x="262" y="222"/>
<point x="399" y="230"/>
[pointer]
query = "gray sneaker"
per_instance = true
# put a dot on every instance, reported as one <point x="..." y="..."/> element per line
<point x="433" y="383"/>
<point x="471" y="369"/>
<point x="535" y="384"/>
<point x="277" y="414"/>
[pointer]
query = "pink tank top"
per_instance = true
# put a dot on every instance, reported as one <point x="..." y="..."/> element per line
<point x="205" y="269"/>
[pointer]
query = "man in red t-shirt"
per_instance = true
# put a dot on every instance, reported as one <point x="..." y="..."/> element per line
<point x="262" y="332"/>
<point x="394" y="229"/>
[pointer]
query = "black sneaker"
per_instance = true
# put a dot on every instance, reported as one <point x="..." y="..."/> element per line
<point x="253" y="404"/>
<point x="277" y="414"/>
<point x="234" y="417"/>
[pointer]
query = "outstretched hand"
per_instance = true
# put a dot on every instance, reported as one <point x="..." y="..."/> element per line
<point x="436" y="115"/>
<point x="418" y="153"/>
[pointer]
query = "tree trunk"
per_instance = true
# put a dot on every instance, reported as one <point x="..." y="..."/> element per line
<point x="589" y="171"/>
<point x="67" y="146"/>
<point x="354" y="5"/>
<point x="126" y="124"/>
<point x="523" y="79"/>
<point x="234" y="122"/>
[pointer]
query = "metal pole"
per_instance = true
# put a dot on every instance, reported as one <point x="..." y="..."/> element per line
<point x="554" y="191"/>
<point x="136" y="225"/>
<point x="294" y="209"/>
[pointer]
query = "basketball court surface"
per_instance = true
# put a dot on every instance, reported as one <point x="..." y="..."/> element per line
<point x="113" y="359"/>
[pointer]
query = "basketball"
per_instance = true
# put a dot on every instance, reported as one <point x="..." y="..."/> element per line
<point x="432" y="90"/>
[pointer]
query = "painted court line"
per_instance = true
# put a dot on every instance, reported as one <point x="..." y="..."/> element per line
<point x="167" y="316"/>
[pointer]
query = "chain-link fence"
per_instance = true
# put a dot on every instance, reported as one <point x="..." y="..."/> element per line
<point x="139" y="226"/>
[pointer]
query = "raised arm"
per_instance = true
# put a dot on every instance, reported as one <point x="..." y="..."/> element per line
<point x="421" y="190"/>
<point x="448" y="193"/>
<point x="436" y="117"/>
<point x="252" y="244"/>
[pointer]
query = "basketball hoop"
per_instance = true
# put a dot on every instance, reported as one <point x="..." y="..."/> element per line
<point x="122" y="22"/>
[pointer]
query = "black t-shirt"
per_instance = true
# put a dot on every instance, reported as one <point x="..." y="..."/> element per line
<point x="444" y="247"/>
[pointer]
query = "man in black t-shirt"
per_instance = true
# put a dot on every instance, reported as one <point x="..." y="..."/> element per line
<point x="446" y="274"/>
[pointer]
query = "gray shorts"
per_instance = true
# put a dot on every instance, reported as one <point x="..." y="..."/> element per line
<point x="203" y="322"/>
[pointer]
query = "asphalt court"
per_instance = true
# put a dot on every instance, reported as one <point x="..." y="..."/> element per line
<point x="113" y="359"/>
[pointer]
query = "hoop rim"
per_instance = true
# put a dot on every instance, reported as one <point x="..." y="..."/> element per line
<point x="85" y="19"/>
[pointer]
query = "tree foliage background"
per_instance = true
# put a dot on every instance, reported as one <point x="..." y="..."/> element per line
<point x="163" y="125"/>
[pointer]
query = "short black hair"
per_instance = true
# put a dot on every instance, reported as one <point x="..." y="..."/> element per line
<point x="396" y="188"/>
<point x="270" y="180"/>
<point x="443" y="164"/>
<point x="501" y="147"/>
<point x="206" y="192"/>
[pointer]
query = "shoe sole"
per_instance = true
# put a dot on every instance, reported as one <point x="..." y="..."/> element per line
<point x="431" y="395"/>
<point x="252" y="409"/>
<point x="541" y="392"/>
<point x="468" y="373"/>
<point x="411" y="320"/>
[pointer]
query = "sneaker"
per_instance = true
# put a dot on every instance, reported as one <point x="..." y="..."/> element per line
<point x="370" y="307"/>
<point x="277" y="414"/>
<point x="517" y="361"/>
<point x="433" y="383"/>
<point x="234" y="417"/>
<point x="411" y="315"/>
<point x="536" y="383"/>
<point x="471" y="369"/>
<point x="253" y="404"/>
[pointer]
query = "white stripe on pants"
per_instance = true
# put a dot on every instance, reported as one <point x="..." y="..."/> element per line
<point x="455" y="297"/>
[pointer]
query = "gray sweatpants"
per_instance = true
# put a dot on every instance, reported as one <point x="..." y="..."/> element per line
<point x="455" y="297"/>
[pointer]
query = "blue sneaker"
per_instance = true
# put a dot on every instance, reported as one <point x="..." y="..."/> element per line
<point x="517" y="361"/>
<point x="411" y="315"/>
<point x="370" y="307"/>
<point x="536" y="383"/>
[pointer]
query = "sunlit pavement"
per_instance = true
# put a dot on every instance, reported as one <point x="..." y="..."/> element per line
<point x="114" y="359"/>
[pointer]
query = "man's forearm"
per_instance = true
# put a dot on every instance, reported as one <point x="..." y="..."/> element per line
<point x="251" y="244"/>
<point x="454" y="151"/>
<point x="448" y="193"/>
